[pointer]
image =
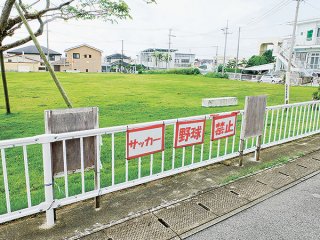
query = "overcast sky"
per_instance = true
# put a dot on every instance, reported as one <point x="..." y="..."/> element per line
<point x="195" y="23"/>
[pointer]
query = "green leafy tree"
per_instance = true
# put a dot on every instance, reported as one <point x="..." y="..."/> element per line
<point x="269" y="56"/>
<point x="166" y="57"/>
<point x="232" y="63"/>
<point x="316" y="95"/>
<point x="265" y="58"/>
<point x="158" y="56"/>
<point x="42" y="12"/>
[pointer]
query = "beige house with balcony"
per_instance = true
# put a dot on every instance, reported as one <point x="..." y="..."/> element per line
<point x="82" y="58"/>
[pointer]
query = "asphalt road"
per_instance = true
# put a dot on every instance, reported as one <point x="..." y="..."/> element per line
<point x="293" y="214"/>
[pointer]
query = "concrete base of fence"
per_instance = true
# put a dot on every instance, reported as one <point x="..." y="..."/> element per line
<point x="219" y="102"/>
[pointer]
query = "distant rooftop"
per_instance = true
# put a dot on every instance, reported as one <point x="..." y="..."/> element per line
<point x="159" y="50"/>
<point x="83" y="45"/>
<point x="32" y="50"/>
<point x="117" y="56"/>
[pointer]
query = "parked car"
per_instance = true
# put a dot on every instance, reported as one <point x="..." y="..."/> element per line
<point x="271" y="78"/>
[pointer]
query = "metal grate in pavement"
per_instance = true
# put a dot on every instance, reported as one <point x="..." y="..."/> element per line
<point x="144" y="227"/>
<point x="295" y="170"/>
<point x="185" y="216"/>
<point x="274" y="178"/>
<point x="249" y="189"/>
<point x="221" y="201"/>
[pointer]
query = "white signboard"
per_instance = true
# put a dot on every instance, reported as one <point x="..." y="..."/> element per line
<point x="224" y="126"/>
<point x="145" y="141"/>
<point x="189" y="133"/>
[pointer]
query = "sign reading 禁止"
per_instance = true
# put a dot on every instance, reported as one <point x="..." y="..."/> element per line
<point x="145" y="141"/>
<point x="223" y="126"/>
<point x="189" y="133"/>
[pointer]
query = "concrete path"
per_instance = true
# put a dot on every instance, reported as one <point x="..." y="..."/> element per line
<point x="177" y="205"/>
<point x="293" y="214"/>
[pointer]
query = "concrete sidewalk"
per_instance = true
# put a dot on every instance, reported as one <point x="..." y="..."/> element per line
<point x="173" y="207"/>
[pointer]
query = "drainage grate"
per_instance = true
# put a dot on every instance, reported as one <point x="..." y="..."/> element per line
<point x="144" y="227"/>
<point x="221" y="201"/>
<point x="274" y="178"/>
<point x="185" y="216"/>
<point x="249" y="188"/>
<point x="295" y="171"/>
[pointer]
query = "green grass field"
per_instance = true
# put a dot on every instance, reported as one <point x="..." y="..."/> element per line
<point x="122" y="99"/>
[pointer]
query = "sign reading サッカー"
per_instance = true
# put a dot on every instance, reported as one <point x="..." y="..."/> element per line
<point x="189" y="133"/>
<point x="145" y="141"/>
<point x="223" y="126"/>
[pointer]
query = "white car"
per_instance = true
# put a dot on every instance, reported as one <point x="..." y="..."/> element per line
<point x="270" y="78"/>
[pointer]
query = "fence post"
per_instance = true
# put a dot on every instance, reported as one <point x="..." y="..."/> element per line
<point x="48" y="184"/>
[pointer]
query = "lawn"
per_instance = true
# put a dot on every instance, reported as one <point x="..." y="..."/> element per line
<point x="125" y="99"/>
<point x="122" y="99"/>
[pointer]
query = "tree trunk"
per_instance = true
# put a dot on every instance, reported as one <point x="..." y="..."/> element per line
<point x="4" y="81"/>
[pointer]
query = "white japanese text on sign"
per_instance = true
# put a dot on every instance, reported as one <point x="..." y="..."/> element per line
<point x="224" y="126"/>
<point x="145" y="141"/>
<point x="189" y="133"/>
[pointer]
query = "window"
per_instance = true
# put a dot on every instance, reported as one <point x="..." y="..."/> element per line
<point x="87" y="70"/>
<point x="85" y="56"/>
<point x="90" y="56"/>
<point x="51" y="58"/>
<point x="309" y="35"/>
<point x="76" y="56"/>
<point x="185" y="60"/>
<point x="301" y="33"/>
<point x="318" y="33"/>
<point x="10" y="60"/>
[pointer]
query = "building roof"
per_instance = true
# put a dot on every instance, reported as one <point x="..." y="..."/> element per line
<point x="83" y="45"/>
<point x="159" y="50"/>
<point x="264" y="67"/>
<point x="117" y="56"/>
<point x="22" y="57"/>
<point x="32" y="50"/>
<point x="61" y="62"/>
<point x="189" y="54"/>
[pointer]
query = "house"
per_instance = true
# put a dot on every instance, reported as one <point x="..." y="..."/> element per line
<point x="21" y="63"/>
<point x="81" y="58"/>
<point x="155" y="58"/>
<point x="115" y="61"/>
<point x="32" y="52"/>
<point x="306" y="52"/>
<point x="28" y="59"/>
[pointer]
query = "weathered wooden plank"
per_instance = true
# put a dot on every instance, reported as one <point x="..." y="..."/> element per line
<point x="254" y="113"/>
<point x="71" y="120"/>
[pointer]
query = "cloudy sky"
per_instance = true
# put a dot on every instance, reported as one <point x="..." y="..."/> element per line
<point x="195" y="23"/>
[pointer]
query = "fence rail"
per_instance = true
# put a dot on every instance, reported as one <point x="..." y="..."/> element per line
<point x="26" y="185"/>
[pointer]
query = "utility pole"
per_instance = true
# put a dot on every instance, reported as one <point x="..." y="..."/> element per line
<point x="216" y="58"/>
<point x="226" y="33"/>
<point x="43" y="56"/>
<point x="121" y="68"/>
<point x="169" y="49"/>
<point x="293" y="38"/>
<point x="238" y="49"/>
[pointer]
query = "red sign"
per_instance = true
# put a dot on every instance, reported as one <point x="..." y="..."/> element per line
<point x="223" y="126"/>
<point x="189" y="133"/>
<point x="145" y="141"/>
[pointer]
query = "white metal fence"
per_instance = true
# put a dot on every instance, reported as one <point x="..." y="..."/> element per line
<point x="26" y="185"/>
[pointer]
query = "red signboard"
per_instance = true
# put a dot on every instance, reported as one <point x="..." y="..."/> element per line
<point x="223" y="126"/>
<point x="145" y="141"/>
<point x="189" y="133"/>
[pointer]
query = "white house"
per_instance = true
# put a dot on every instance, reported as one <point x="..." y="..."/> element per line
<point x="306" y="57"/>
<point x="176" y="60"/>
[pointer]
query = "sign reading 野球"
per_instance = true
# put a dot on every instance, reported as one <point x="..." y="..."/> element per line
<point x="223" y="126"/>
<point x="145" y="141"/>
<point x="189" y="133"/>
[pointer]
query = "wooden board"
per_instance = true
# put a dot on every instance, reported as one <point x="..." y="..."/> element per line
<point x="71" y="120"/>
<point x="254" y="114"/>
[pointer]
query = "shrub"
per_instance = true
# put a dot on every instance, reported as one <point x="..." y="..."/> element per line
<point x="316" y="95"/>
<point x="182" y="71"/>
<point x="216" y="75"/>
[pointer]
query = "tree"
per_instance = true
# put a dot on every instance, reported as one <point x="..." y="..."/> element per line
<point x="232" y="63"/>
<point x="167" y="58"/>
<point x="158" y="56"/>
<point x="107" y="10"/>
<point x="265" y="58"/>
